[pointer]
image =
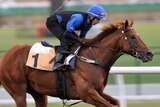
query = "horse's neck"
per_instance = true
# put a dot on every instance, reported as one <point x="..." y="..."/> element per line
<point x="104" y="56"/>
<point x="112" y="41"/>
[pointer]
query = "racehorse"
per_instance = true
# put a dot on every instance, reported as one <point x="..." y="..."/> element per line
<point x="87" y="81"/>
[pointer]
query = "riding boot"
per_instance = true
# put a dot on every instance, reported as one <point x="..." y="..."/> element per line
<point x="58" y="62"/>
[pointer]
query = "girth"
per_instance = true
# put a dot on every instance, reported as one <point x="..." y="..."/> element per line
<point x="61" y="85"/>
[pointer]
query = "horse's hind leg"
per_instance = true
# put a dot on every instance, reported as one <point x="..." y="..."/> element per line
<point x="18" y="93"/>
<point x="40" y="100"/>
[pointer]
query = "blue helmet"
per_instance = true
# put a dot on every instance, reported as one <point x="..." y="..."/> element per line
<point x="97" y="11"/>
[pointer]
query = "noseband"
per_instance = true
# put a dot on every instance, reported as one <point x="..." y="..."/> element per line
<point x="134" y="52"/>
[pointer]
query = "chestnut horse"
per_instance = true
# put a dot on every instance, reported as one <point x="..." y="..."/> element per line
<point x="86" y="82"/>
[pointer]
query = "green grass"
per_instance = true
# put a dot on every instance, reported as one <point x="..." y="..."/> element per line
<point x="11" y="37"/>
<point x="130" y="104"/>
<point x="52" y="105"/>
<point x="144" y="104"/>
<point x="149" y="33"/>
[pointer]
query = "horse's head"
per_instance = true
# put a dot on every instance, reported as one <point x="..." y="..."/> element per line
<point x="133" y="45"/>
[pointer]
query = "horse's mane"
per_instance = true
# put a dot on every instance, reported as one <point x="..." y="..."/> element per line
<point x="107" y="30"/>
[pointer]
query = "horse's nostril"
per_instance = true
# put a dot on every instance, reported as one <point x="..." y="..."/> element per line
<point x="150" y="54"/>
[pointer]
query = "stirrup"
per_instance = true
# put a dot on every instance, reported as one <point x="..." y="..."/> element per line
<point x="66" y="52"/>
<point x="58" y="67"/>
<point x="47" y="43"/>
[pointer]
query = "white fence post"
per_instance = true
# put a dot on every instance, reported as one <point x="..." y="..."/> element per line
<point x="122" y="90"/>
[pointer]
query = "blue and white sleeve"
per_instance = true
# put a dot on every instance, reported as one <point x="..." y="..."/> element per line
<point x="74" y="22"/>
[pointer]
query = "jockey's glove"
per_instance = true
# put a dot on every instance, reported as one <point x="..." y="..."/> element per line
<point x="84" y="43"/>
<point x="72" y="36"/>
<point x="75" y="37"/>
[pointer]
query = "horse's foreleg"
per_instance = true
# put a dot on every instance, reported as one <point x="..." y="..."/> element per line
<point x="94" y="98"/>
<point x="111" y="99"/>
<point x="40" y="100"/>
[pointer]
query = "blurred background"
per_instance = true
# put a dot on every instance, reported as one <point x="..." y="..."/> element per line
<point x="23" y="21"/>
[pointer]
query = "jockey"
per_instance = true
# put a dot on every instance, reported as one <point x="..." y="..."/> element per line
<point x="63" y="25"/>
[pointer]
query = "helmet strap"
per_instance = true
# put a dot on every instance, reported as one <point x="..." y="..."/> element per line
<point x="91" y="20"/>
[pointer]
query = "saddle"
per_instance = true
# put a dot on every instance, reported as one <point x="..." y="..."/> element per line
<point x="41" y="56"/>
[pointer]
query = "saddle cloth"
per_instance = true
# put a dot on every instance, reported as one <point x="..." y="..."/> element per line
<point x="40" y="57"/>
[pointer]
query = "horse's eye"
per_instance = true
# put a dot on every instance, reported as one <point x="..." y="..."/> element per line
<point x="133" y="37"/>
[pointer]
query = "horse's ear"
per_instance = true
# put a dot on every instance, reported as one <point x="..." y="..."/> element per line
<point x="126" y="23"/>
<point x="132" y="22"/>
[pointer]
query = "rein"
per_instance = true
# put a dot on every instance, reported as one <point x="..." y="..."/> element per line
<point x="108" y="49"/>
<point x="102" y="47"/>
<point x="96" y="62"/>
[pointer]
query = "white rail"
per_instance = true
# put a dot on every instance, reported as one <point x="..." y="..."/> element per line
<point x="135" y="70"/>
<point x="119" y="71"/>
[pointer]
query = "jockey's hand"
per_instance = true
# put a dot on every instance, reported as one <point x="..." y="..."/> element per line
<point x="84" y="43"/>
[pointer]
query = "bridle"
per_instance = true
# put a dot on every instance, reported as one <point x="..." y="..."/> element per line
<point x="133" y="51"/>
<point x="117" y="52"/>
